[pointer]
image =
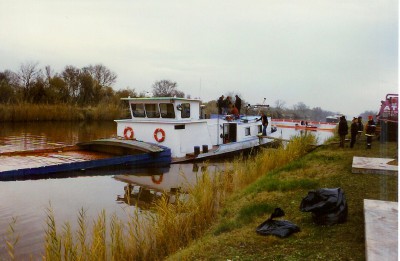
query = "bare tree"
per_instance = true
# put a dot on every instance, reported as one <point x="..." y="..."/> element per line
<point x="49" y="72"/>
<point x="279" y="108"/>
<point x="6" y="89"/>
<point x="71" y="77"/>
<point x="166" y="88"/>
<point x="301" y="109"/>
<point x="280" y="105"/>
<point x="28" y="73"/>
<point x="101" y="74"/>
<point x="318" y="114"/>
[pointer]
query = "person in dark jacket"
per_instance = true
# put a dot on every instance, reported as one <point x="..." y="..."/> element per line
<point x="238" y="103"/>
<point x="343" y="130"/>
<point x="220" y="104"/>
<point x="264" y="121"/>
<point x="228" y="104"/>
<point x="370" y="130"/>
<point x="360" y="127"/>
<point x="354" y="132"/>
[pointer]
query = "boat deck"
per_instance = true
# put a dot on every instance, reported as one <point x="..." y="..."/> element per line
<point x="36" y="160"/>
<point x="95" y="154"/>
<point x="192" y="156"/>
<point x="230" y="148"/>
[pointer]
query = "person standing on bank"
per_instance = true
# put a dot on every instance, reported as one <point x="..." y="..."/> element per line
<point x="360" y="127"/>
<point x="264" y="121"/>
<point x="238" y="103"/>
<point x="343" y="130"/>
<point x="354" y="132"/>
<point x="370" y="131"/>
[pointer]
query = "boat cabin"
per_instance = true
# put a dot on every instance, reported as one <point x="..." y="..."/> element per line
<point x="178" y="124"/>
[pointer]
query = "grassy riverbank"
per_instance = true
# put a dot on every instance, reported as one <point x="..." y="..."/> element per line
<point x="58" y="112"/>
<point x="233" y="236"/>
<point x="168" y="227"/>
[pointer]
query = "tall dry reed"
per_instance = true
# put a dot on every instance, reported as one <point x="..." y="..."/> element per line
<point x="168" y="227"/>
<point x="11" y="239"/>
<point x="58" y="112"/>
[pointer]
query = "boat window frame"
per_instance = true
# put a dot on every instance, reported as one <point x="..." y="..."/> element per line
<point x="152" y="113"/>
<point x="143" y="112"/>
<point x="168" y="115"/>
<point x="185" y="110"/>
<point x="247" y="131"/>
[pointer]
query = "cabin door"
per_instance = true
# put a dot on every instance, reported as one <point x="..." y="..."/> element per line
<point x="230" y="130"/>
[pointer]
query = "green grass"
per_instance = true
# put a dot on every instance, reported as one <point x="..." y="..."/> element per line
<point x="273" y="184"/>
<point x="235" y="238"/>
<point x="247" y="213"/>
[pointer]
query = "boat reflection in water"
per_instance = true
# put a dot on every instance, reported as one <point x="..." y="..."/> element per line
<point x="149" y="184"/>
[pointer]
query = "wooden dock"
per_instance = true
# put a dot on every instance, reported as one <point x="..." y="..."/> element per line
<point x="374" y="166"/>
<point x="381" y="230"/>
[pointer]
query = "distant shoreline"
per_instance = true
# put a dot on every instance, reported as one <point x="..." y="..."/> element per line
<point x="26" y="112"/>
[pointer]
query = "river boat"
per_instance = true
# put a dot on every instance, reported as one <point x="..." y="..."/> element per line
<point x="304" y="125"/>
<point x="160" y="130"/>
<point x="180" y="125"/>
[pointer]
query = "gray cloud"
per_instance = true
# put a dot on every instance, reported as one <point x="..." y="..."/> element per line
<point x="338" y="55"/>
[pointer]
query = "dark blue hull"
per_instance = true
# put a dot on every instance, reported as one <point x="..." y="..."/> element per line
<point x="144" y="159"/>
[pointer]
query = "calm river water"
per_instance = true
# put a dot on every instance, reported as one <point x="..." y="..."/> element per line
<point x="114" y="190"/>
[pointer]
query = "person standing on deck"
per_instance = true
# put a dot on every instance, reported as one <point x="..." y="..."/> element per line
<point x="228" y="104"/>
<point x="238" y="103"/>
<point x="235" y="112"/>
<point x="264" y="121"/>
<point x="343" y="130"/>
<point x="220" y="104"/>
<point x="354" y="132"/>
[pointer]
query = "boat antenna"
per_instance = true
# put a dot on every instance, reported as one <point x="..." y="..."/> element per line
<point x="259" y="110"/>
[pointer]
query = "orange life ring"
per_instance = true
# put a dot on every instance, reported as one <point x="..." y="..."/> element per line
<point x="162" y="138"/>
<point x="157" y="181"/>
<point x="128" y="133"/>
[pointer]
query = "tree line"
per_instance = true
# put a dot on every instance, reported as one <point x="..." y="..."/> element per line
<point x="93" y="85"/>
<point x="85" y="86"/>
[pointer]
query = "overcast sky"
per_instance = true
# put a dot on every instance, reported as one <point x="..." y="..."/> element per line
<point x="339" y="55"/>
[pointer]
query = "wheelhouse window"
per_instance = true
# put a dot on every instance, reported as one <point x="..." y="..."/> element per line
<point x="137" y="110"/>
<point x="247" y="131"/>
<point x="167" y="110"/>
<point x="185" y="112"/>
<point x="152" y="110"/>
